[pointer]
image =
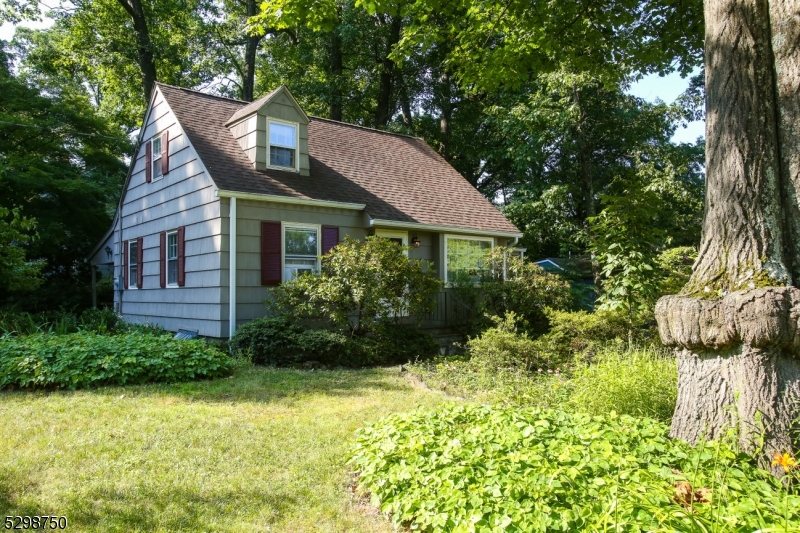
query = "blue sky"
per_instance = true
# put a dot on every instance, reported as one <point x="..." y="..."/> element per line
<point x="650" y="87"/>
<point x="668" y="89"/>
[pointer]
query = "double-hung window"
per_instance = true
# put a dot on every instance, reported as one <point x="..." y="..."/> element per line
<point x="282" y="145"/>
<point x="133" y="263"/>
<point x="172" y="259"/>
<point x="156" y="150"/>
<point x="300" y="250"/>
<point x="466" y="257"/>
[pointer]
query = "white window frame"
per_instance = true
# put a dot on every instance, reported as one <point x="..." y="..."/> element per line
<point x="133" y="281"/>
<point x="465" y="238"/>
<point x="301" y="225"/>
<point x="296" y="127"/>
<point x="156" y="137"/>
<point x="167" y="259"/>
<point x="394" y="234"/>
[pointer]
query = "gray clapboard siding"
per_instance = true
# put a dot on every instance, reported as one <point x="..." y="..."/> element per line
<point x="183" y="197"/>
<point x="250" y="293"/>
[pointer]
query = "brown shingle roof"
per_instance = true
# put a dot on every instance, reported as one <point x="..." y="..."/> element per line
<point x="398" y="178"/>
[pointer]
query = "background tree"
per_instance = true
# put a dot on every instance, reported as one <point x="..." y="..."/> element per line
<point x="16" y="272"/>
<point x="61" y="165"/>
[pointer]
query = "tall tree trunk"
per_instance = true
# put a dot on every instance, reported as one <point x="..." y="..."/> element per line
<point x="383" y="110"/>
<point x="250" y="48"/>
<point x="336" y="69"/>
<point x="405" y="103"/>
<point x="785" y="28"/>
<point x="586" y="179"/>
<point x="734" y="326"/>
<point x="144" y="48"/>
<point x="446" y="115"/>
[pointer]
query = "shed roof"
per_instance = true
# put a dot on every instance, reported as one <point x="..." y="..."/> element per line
<point x="398" y="177"/>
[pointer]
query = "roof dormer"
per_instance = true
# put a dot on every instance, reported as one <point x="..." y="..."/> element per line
<point x="273" y="132"/>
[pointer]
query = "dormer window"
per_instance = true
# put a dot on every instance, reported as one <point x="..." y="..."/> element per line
<point x="157" y="172"/>
<point x="282" y="145"/>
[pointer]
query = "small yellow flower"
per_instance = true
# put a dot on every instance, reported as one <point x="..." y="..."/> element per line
<point x="785" y="460"/>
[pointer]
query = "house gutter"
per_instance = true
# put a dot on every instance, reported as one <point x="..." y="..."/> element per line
<point x="232" y="271"/>
<point x="450" y="229"/>
<point x="288" y="200"/>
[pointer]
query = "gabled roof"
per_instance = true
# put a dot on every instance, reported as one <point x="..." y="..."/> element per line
<point x="399" y="178"/>
<point x="255" y="105"/>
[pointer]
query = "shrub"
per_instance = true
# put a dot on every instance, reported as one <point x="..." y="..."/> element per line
<point x="362" y="285"/>
<point x="638" y="382"/>
<point x="268" y="340"/>
<point x="86" y="359"/>
<point x="580" y="333"/>
<point x="526" y="289"/>
<point x="503" y="347"/>
<point x="99" y="320"/>
<point x="281" y="341"/>
<point x="474" y="468"/>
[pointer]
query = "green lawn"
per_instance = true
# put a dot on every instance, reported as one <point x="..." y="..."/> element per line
<point x="261" y="451"/>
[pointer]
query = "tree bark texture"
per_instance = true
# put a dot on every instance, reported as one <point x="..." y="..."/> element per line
<point x="736" y="325"/>
<point x="785" y="30"/>
<point x="744" y="239"/>
<point x="736" y="358"/>
<point x="144" y="49"/>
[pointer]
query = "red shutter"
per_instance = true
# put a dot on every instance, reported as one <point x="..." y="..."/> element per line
<point x="270" y="253"/>
<point x="148" y="162"/>
<point x="125" y="264"/>
<point x="330" y="238"/>
<point x="163" y="259"/>
<point x="181" y="256"/>
<point x="139" y="262"/>
<point x="165" y="153"/>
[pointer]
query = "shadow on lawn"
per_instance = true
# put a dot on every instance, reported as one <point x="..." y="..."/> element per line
<point x="107" y="509"/>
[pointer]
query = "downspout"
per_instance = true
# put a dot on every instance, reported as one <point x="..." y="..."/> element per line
<point x="232" y="280"/>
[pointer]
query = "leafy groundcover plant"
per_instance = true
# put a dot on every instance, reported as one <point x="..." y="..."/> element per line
<point x="85" y="359"/>
<point x="467" y="467"/>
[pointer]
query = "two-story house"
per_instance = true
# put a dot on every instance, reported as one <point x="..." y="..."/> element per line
<point x="224" y="199"/>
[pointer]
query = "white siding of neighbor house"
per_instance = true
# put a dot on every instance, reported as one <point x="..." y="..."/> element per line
<point x="183" y="197"/>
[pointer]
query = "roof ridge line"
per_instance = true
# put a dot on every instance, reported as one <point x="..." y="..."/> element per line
<point x="365" y="127"/>
<point x="203" y="93"/>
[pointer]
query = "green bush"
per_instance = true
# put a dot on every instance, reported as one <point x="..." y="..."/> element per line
<point x="503" y="347"/>
<point x="525" y="289"/>
<point x="85" y="359"/>
<point x="99" y="320"/>
<point x="362" y="286"/>
<point x="267" y="340"/>
<point x="580" y="333"/>
<point x="638" y="382"/>
<point x="281" y="341"/>
<point x="470" y="468"/>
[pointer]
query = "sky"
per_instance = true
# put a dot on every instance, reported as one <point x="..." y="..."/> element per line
<point x="652" y="87"/>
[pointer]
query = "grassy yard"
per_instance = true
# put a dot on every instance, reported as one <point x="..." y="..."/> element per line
<point x="261" y="451"/>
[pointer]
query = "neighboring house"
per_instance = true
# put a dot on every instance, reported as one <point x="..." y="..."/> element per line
<point x="578" y="270"/>
<point x="287" y="187"/>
